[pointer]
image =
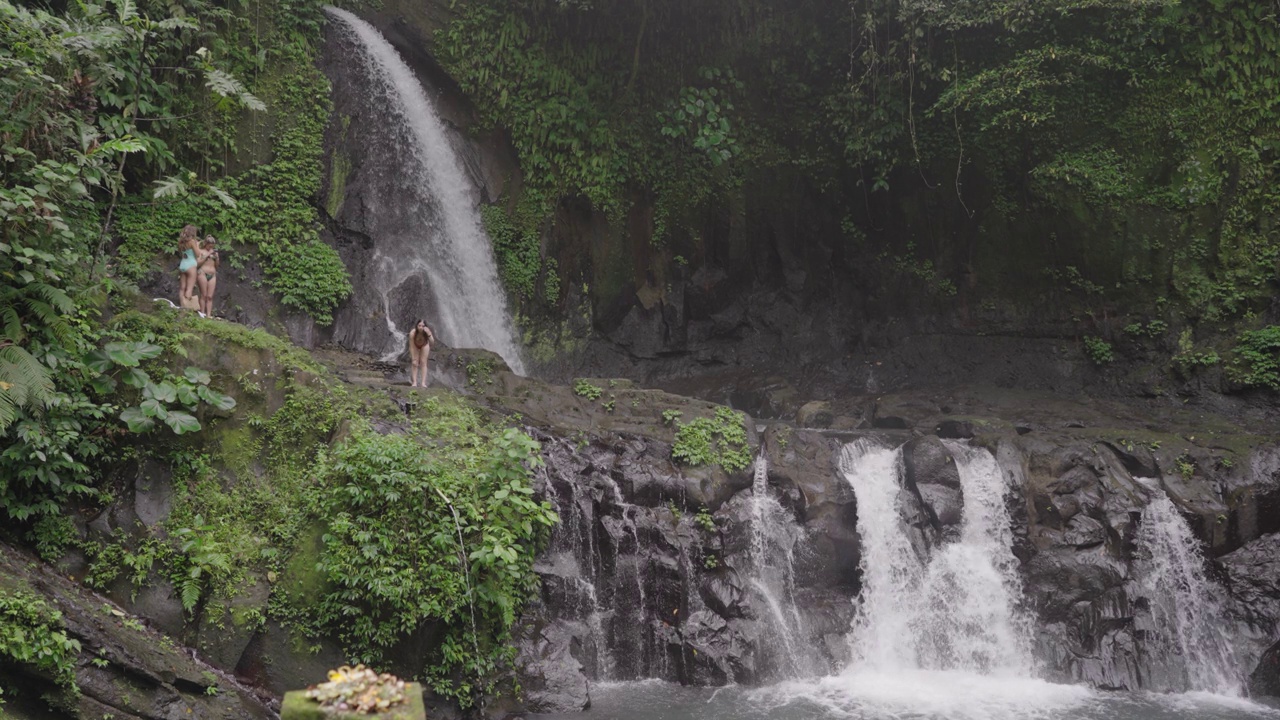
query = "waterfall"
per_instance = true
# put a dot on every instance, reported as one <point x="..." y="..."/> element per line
<point x="773" y="538"/>
<point x="452" y="252"/>
<point x="1187" y="645"/>
<point x="958" y="609"/>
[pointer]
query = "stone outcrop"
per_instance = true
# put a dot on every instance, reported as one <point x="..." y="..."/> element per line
<point x="124" y="669"/>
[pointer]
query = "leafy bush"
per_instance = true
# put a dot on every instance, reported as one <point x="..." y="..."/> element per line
<point x="1098" y="350"/>
<point x="32" y="634"/>
<point x="444" y="536"/>
<point x="720" y="440"/>
<point x="1257" y="361"/>
<point x="582" y="388"/>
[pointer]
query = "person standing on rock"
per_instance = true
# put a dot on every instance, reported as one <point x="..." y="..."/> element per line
<point x="187" y="247"/>
<point x="207" y="275"/>
<point x="420" y="340"/>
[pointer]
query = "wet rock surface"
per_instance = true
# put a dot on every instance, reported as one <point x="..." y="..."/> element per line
<point x="669" y="598"/>
<point x="124" y="669"/>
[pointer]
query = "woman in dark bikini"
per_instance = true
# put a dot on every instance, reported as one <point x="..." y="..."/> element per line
<point x="420" y="340"/>
<point x="207" y="274"/>
<point x="187" y="246"/>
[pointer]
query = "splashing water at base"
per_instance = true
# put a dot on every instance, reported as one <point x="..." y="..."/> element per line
<point x="912" y="695"/>
<point x="452" y="251"/>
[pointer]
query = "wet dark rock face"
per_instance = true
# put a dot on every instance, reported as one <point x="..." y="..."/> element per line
<point x="124" y="670"/>
<point x="629" y="591"/>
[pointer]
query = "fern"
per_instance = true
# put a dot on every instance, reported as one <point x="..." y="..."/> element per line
<point x="24" y="383"/>
<point x="169" y="187"/>
<point x="190" y="592"/>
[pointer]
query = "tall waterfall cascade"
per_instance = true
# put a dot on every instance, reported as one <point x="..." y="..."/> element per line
<point x="452" y="253"/>
<point x="1188" y="646"/>
<point x="959" y="607"/>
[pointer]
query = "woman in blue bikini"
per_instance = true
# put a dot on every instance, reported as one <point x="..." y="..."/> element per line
<point x="187" y="246"/>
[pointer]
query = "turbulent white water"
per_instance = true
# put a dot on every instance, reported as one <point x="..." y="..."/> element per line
<point x="955" y="610"/>
<point x="453" y="253"/>
<point x="1188" y="647"/>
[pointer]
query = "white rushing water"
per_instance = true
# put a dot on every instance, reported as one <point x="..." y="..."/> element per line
<point x="1188" y="646"/>
<point x="958" y="609"/>
<point x="453" y="253"/>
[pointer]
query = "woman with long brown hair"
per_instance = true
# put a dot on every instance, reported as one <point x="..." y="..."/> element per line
<point x="420" y="339"/>
<point x="187" y="246"/>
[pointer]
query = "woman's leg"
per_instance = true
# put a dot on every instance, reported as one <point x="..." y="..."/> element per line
<point x="426" y="354"/>
<point x="206" y="295"/>
<point x="203" y="285"/>
<point x="414" y="356"/>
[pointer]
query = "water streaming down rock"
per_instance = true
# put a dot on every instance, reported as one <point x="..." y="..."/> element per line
<point x="956" y="607"/>
<point x="1187" y="646"/>
<point x="442" y="241"/>
<point x="774" y="536"/>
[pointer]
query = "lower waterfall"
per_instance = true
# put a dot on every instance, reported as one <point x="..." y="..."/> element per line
<point x="1187" y="646"/>
<point x="941" y="628"/>
<point x="957" y="609"/>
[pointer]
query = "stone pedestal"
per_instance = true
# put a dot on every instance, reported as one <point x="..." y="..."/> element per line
<point x="297" y="706"/>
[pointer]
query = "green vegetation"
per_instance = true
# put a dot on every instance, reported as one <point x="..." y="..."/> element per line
<point x="1127" y="149"/>
<point x="1257" y="362"/>
<point x="444" y="534"/>
<point x="705" y="520"/>
<point x="369" y="538"/>
<point x="266" y="210"/>
<point x="583" y="388"/>
<point x="32" y="634"/>
<point x="721" y="440"/>
<point x="1098" y="350"/>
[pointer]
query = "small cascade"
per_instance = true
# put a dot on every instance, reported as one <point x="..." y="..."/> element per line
<point x="957" y="609"/>
<point x="1187" y="646"/>
<point x="447" y="245"/>
<point x="773" y="539"/>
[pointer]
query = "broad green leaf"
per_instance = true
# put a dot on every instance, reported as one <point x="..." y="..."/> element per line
<point x="136" y="421"/>
<point x="154" y="408"/>
<point x="147" y="351"/>
<point x="134" y="377"/>
<point x="182" y="423"/>
<point x="187" y="395"/>
<point x="217" y="399"/>
<point x="98" y="360"/>
<point x="122" y="354"/>
<point x="196" y="375"/>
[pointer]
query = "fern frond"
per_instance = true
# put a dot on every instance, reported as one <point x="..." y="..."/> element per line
<point x="24" y="382"/>
<point x="11" y="324"/>
<point x="53" y="322"/>
<point x="222" y="83"/>
<point x="56" y="297"/>
<point x="169" y="187"/>
<point x="252" y="102"/>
